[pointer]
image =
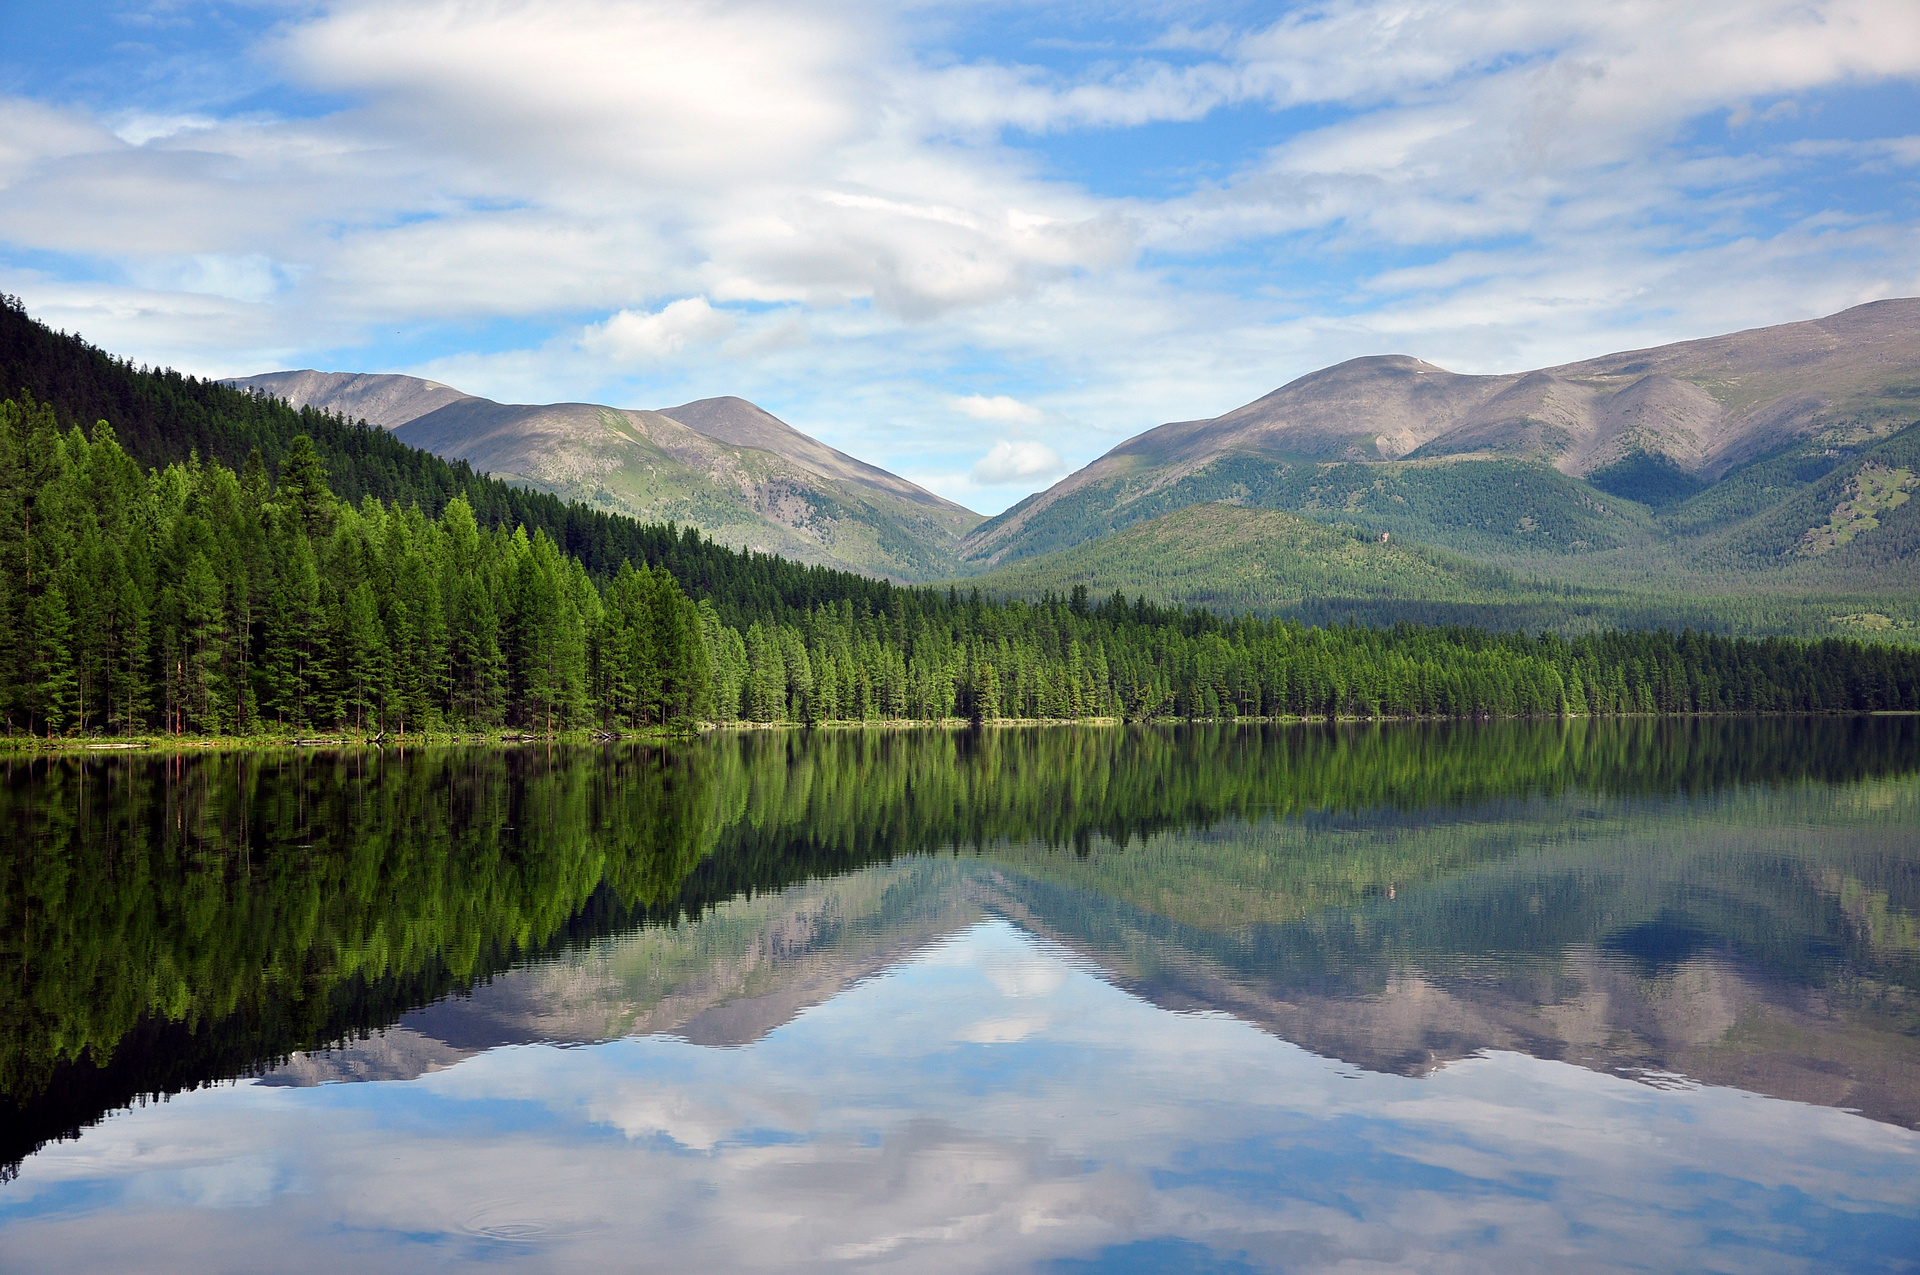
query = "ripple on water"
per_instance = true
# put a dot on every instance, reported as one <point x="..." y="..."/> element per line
<point x="505" y="1222"/>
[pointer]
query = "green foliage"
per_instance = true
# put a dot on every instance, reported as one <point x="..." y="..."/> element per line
<point x="1831" y="477"/>
<point x="935" y="658"/>
<point x="650" y="665"/>
<point x="1763" y="483"/>
<point x="162" y="418"/>
<point x="374" y="587"/>
<point x="215" y="605"/>
<point x="197" y="601"/>
<point x="1266" y="561"/>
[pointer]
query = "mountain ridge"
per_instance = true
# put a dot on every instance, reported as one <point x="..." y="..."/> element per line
<point x="734" y="470"/>
<point x="1595" y="447"/>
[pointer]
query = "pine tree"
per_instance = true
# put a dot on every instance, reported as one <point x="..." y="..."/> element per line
<point x="291" y="659"/>
<point x="204" y="641"/>
<point x="366" y="659"/>
<point x="302" y="489"/>
<point x="50" y="698"/>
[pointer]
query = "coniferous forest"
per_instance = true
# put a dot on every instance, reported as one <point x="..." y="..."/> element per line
<point x="196" y="560"/>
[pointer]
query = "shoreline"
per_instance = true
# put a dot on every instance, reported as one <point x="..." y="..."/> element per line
<point x="337" y="742"/>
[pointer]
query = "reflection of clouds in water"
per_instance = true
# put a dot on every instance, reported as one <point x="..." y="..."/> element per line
<point x="698" y="1126"/>
<point x="1001" y="1031"/>
<point x="243" y="1182"/>
<point x="985" y="1106"/>
<point x="1024" y="973"/>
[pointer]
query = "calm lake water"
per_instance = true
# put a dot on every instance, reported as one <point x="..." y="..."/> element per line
<point x="1521" y="996"/>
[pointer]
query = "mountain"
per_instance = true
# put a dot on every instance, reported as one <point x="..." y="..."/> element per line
<point x="737" y="472"/>
<point x="751" y="964"/>
<point x="1782" y="454"/>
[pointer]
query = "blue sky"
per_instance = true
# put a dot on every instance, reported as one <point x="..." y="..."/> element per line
<point x="975" y="243"/>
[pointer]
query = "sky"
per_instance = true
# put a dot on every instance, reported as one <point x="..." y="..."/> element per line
<point x="978" y="244"/>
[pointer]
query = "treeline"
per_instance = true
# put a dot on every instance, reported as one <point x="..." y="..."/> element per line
<point x="935" y="657"/>
<point x="197" y="600"/>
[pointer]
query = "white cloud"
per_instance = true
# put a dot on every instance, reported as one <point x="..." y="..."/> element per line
<point x="33" y="134"/>
<point x="999" y="407"/>
<point x="249" y="277"/>
<point x="137" y="128"/>
<point x="636" y="336"/>
<point x="819" y="202"/>
<point x="1009" y="462"/>
<point x="681" y="93"/>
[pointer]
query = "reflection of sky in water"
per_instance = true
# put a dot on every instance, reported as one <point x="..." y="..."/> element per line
<point x="987" y="1104"/>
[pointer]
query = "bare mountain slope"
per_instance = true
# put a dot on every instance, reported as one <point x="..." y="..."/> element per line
<point x="380" y="400"/>
<point x="1692" y="412"/>
<point x="735" y="420"/>
<point x="738" y="473"/>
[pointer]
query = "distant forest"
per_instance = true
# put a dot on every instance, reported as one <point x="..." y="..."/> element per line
<point x="183" y="557"/>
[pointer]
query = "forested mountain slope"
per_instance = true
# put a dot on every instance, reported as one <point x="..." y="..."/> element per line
<point x="1268" y="562"/>
<point x="1233" y="558"/>
<point x="738" y="473"/>
<point x="160" y="417"/>
<point x="1781" y="455"/>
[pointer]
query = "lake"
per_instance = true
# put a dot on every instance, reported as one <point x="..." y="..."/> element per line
<point x="1630" y="995"/>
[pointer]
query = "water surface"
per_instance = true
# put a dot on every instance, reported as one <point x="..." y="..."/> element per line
<point x="1630" y="995"/>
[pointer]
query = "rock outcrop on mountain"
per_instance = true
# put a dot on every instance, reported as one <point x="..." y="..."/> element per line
<point x="738" y="473"/>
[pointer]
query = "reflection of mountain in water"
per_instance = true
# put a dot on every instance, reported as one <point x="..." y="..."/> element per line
<point x="1742" y="944"/>
<point x="1730" y="899"/>
<point x="1654" y="939"/>
<point x="744" y="969"/>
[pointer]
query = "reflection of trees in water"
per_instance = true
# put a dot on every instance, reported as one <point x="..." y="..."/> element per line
<point x="849" y="797"/>
<point x="173" y="921"/>
<point x="169" y="921"/>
